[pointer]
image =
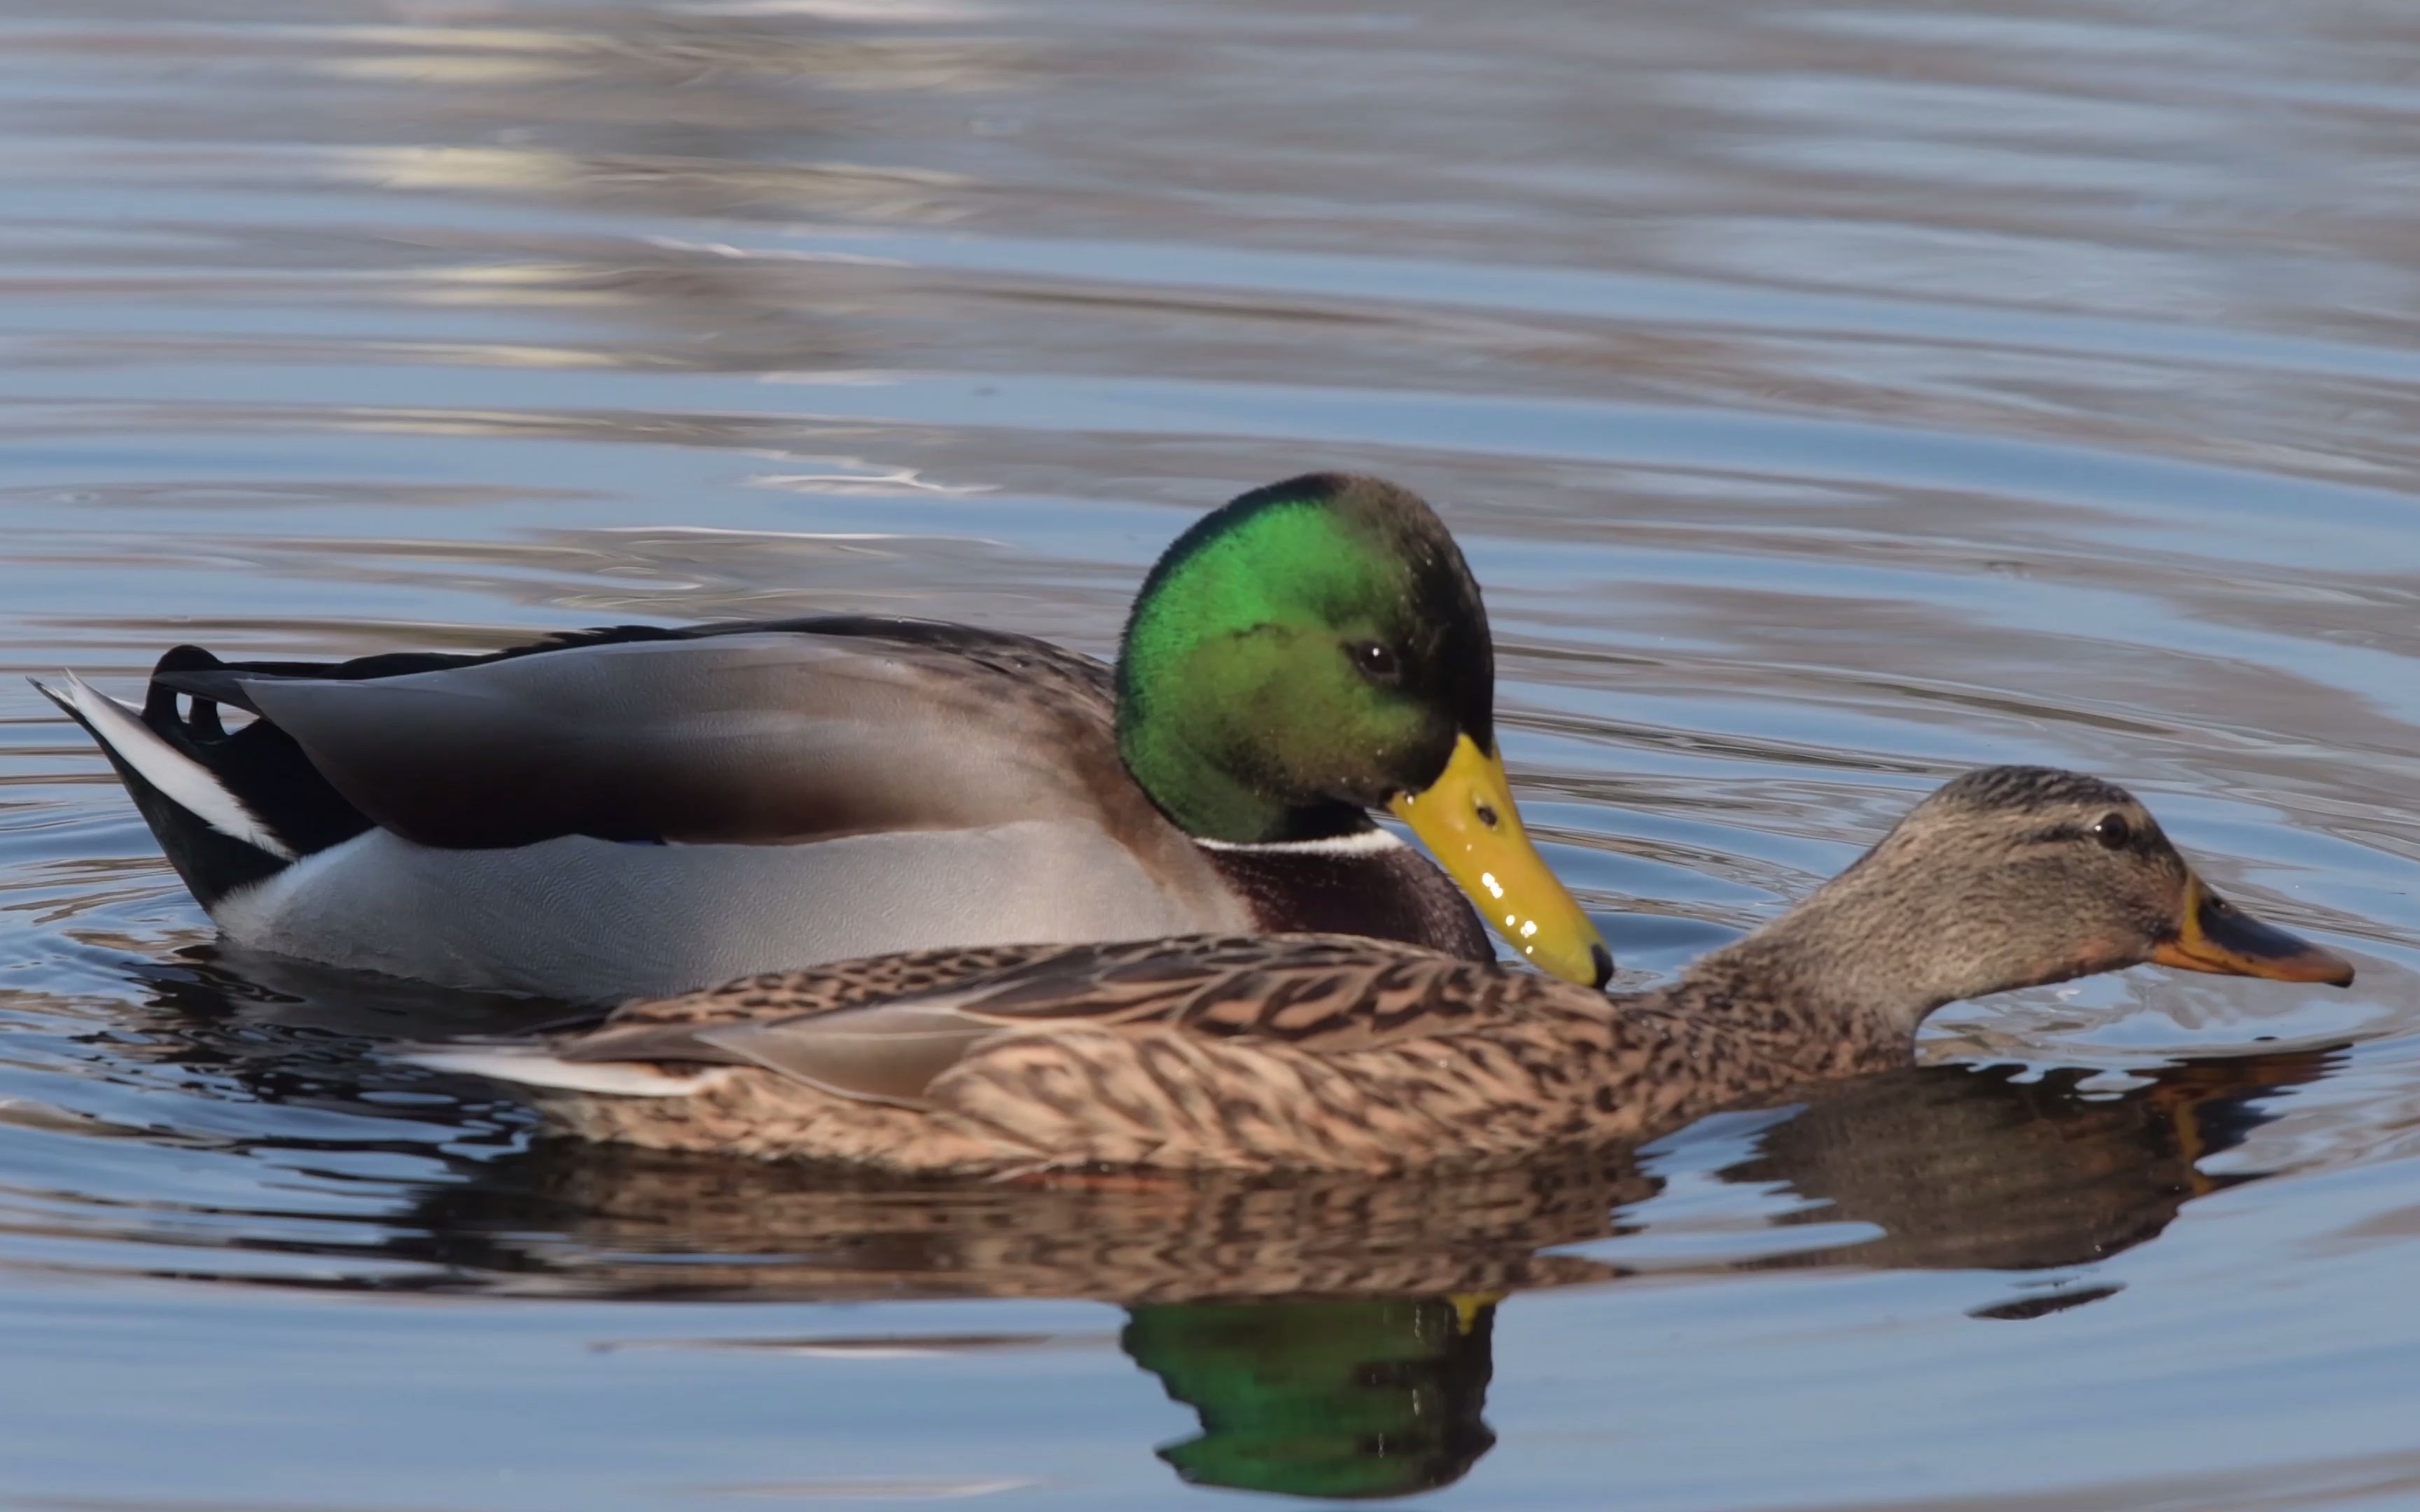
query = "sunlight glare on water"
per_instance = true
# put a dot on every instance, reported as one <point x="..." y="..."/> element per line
<point x="1828" y="397"/>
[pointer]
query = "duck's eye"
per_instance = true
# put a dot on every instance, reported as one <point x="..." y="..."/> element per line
<point x="2114" y="832"/>
<point x="1376" y="660"/>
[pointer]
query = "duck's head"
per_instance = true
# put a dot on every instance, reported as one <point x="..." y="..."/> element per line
<point x="2012" y="876"/>
<point x="1313" y="651"/>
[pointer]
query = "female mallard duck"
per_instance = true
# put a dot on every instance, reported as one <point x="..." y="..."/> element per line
<point x="645" y="811"/>
<point x="1332" y="1053"/>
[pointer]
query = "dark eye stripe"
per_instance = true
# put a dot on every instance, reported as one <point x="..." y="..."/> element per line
<point x="2140" y="837"/>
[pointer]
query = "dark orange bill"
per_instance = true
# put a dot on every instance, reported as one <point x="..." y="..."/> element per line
<point x="2215" y="935"/>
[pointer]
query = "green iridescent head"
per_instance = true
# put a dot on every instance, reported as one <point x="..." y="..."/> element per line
<point x="1313" y="651"/>
<point x="1304" y="654"/>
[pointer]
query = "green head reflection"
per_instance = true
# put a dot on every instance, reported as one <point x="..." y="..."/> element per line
<point x="1349" y="1399"/>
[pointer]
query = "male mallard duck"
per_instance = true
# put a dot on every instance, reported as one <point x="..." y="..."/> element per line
<point x="1334" y="1052"/>
<point x="645" y="811"/>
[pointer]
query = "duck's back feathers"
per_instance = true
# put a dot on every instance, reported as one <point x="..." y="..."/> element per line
<point x="1315" y="1051"/>
<point x="1323" y="993"/>
<point x="781" y="733"/>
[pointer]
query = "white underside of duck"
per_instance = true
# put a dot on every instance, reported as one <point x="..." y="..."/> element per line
<point x="589" y="919"/>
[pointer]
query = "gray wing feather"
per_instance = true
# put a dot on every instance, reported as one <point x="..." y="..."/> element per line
<point x="887" y="1054"/>
<point x="782" y="736"/>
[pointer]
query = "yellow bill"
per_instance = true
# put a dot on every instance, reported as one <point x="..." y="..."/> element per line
<point x="1470" y="1307"/>
<point x="1466" y="820"/>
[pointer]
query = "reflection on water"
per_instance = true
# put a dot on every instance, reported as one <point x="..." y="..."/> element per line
<point x="1333" y="1335"/>
<point x="1362" y="1369"/>
<point x="1827" y="397"/>
<point x="1941" y="1169"/>
<point x="1339" y="1400"/>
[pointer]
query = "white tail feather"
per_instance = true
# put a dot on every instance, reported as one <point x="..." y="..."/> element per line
<point x="534" y="1067"/>
<point x="184" y="781"/>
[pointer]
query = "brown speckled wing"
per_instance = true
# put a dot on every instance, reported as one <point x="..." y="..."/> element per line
<point x="1324" y="994"/>
<point x="884" y="1029"/>
<point x="1286" y="1052"/>
<point x="829" y="988"/>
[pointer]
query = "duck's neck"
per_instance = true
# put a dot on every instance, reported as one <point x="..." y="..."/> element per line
<point x="1864" y="960"/>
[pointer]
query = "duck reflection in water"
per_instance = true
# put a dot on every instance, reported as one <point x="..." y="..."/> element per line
<point x="1332" y="1334"/>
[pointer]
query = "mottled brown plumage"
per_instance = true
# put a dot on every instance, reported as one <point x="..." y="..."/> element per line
<point x="1925" y="1168"/>
<point x="1325" y="1052"/>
